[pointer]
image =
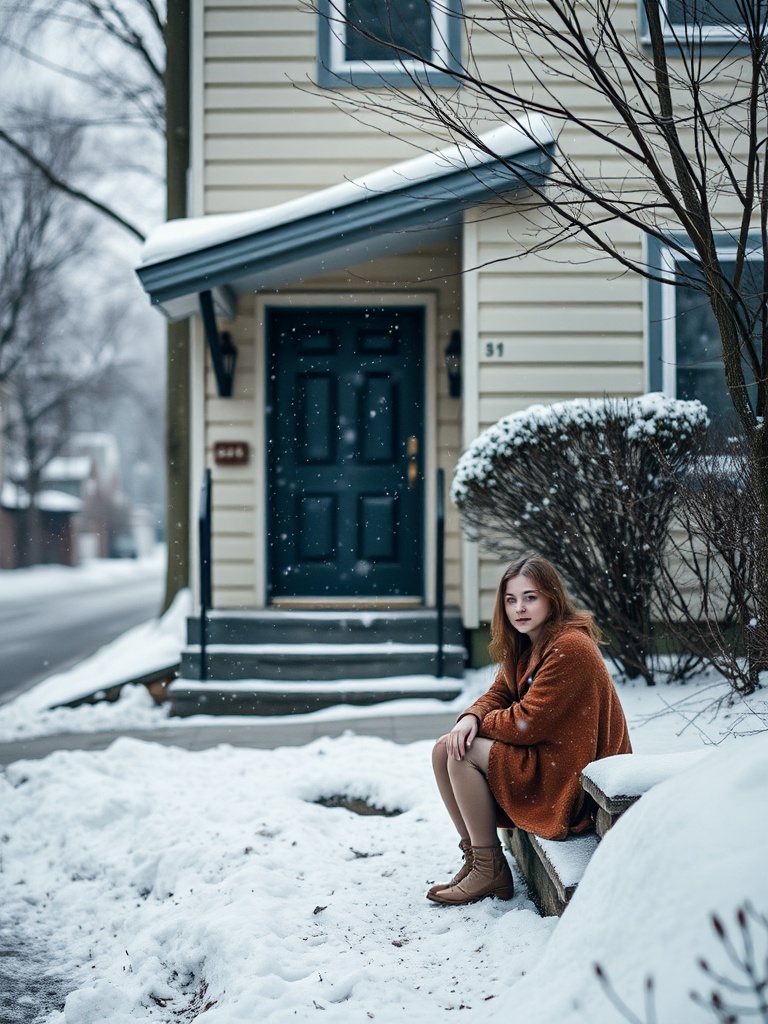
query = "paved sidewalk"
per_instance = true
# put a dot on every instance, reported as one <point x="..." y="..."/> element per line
<point x="264" y="735"/>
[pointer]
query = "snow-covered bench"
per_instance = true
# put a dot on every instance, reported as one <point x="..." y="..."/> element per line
<point x="553" y="869"/>
<point x="615" y="783"/>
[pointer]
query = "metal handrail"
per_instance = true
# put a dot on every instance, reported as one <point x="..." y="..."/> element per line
<point x="206" y="587"/>
<point x="440" y="573"/>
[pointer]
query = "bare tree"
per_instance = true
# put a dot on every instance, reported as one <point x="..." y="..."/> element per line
<point x="715" y="563"/>
<point x="43" y="417"/>
<point x="117" y="52"/>
<point x="113" y="56"/>
<point x="35" y="246"/>
<point x="50" y="366"/>
<point x="686" y="121"/>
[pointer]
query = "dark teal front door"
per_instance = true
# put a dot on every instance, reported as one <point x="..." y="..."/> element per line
<point x="345" y="436"/>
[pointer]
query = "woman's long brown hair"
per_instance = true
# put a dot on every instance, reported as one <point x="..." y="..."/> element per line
<point x="507" y="644"/>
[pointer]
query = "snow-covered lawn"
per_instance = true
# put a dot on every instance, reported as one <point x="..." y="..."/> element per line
<point x="166" y="885"/>
<point x="161" y="881"/>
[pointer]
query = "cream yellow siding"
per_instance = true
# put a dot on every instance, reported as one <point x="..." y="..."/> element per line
<point x="549" y="329"/>
<point x="268" y="134"/>
<point x="545" y="327"/>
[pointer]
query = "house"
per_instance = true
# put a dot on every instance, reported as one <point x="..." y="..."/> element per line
<point x="49" y="538"/>
<point x="81" y="510"/>
<point x="356" y="320"/>
<point x="103" y="526"/>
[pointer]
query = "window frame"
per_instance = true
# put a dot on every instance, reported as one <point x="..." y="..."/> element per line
<point x="677" y="35"/>
<point x="333" y="71"/>
<point x="661" y="306"/>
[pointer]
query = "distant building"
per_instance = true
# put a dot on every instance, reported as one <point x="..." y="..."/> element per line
<point x="82" y="512"/>
<point x="56" y="511"/>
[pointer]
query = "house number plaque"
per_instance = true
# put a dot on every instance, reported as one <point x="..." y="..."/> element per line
<point x="231" y="453"/>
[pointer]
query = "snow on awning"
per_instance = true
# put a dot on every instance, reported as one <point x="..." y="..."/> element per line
<point x="383" y="213"/>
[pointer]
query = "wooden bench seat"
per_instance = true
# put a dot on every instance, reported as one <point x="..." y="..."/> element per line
<point x="615" y="783"/>
<point x="552" y="869"/>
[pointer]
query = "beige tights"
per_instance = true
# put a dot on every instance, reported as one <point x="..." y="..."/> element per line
<point x="465" y="791"/>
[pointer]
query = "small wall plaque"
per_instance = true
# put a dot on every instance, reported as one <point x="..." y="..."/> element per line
<point x="231" y="453"/>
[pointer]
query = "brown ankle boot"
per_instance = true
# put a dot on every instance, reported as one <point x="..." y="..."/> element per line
<point x="490" y="876"/>
<point x="466" y="849"/>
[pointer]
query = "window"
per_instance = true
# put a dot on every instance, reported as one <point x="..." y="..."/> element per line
<point x="711" y="16"/>
<point x="694" y="21"/>
<point x="690" y="350"/>
<point x="411" y="31"/>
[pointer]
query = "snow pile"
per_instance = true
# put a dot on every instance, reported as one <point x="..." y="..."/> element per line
<point x="45" y="580"/>
<point x="150" y="646"/>
<point x="623" y="776"/>
<point x="162" y="882"/>
<point x="692" y="847"/>
<point x="651" y="416"/>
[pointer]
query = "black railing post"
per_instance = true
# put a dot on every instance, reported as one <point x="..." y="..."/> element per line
<point x="440" y="572"/>
<point x="205" y="568"/>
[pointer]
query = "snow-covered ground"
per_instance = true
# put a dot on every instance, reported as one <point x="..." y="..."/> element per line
<point x="166" y="885"/>
<point x="38" y="580"/>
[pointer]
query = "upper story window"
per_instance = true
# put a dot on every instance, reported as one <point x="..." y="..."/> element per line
<point x="691" y="352"/>
<point x="705" y="21"/>
<point x="715" y="19"/>
<point x="368" y="42"/>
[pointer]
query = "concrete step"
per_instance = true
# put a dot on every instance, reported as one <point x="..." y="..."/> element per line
<point x="337" y="626"/>
<point x="272" y="697"/>
<point x="324" y="661"/>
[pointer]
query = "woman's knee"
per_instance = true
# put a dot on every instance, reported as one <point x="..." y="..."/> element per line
<point x="440" y="753"/>
<point x="479" y="754"/>
<point x="475" y="759"/>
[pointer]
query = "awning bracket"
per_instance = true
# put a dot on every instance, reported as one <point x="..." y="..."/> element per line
<point x="223" y="350"/>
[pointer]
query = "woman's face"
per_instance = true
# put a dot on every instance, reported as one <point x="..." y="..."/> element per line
<point x="527" y="609"/>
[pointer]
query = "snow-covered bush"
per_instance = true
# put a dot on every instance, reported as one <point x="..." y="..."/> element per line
<point x="589" y="484"/>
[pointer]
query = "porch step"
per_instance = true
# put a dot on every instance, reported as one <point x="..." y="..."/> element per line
<point x="319" y="661"/>
<point x="337" y="626"/>
<point x="288" y="662"/>
<point x="267" y="697"/>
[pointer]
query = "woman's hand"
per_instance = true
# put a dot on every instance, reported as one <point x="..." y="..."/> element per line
<point x="459" y="739"/>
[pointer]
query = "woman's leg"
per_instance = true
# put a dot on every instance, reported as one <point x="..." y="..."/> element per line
<point x="440" y="768"/>
<point x="465" y="792"/>
<point x="470" y="803"/>
<point x="472" y="793"/>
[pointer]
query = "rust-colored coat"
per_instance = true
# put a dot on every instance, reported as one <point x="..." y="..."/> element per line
<point x="546" y="733"/>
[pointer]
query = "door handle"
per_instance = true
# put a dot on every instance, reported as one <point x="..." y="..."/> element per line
<point x="412" y="449"/>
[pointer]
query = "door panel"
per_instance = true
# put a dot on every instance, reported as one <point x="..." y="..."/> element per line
<point x="345" y="425"/>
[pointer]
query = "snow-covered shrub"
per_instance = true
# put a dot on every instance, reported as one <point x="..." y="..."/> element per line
<point x="590" y="485"/>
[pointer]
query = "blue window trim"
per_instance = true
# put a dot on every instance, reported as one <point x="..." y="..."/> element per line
<point x="655" y="296"/>
<point x="716" y="45"/>
<point x="366" y="76"/>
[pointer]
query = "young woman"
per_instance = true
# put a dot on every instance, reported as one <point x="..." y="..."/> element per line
<point x="515" y="756"/>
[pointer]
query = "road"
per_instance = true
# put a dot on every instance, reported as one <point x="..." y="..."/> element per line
<point x="42" y="633"/>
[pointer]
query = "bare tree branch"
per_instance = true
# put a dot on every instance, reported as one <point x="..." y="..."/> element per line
<point x="67" y="189"/>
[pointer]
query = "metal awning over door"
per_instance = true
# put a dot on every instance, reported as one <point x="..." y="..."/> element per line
<point x="388" y="212"/>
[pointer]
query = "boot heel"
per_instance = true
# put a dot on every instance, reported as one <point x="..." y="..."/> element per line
<point x="506" y="892"/>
